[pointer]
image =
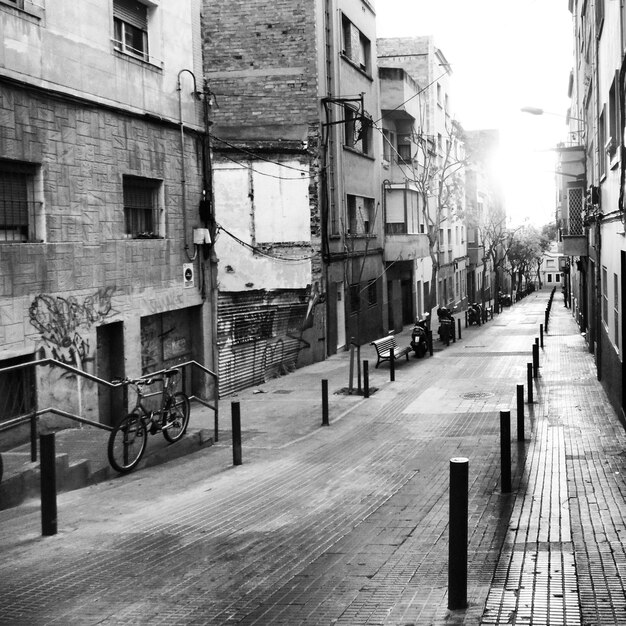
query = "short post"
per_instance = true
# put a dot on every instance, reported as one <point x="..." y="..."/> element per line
<point x="236" y="425"/>
<point x="529" y="381"/>
<point x="325" y="421"/>
<point x="392" y="365"/>
<point x="536" y="360"/>
<point x="520" y="412"/>
<point x="459" y="325"/>
<point x="429" y="335"/>
<point x="541" y="335"/>
<point x="505" y="451"/>
<point x="453" y="331"/>
<point x="366" y="379"/>
<point x="48" y="480"/>
<point x="457" y="548"/>
<point x="465" y="319"/>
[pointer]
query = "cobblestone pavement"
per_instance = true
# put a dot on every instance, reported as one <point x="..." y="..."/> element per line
<point x="349" y="524"/>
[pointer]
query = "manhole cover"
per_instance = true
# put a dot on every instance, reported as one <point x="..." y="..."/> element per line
<point x="476" y="394"/>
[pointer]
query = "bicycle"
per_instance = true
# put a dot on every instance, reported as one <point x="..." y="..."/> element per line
<point x="127" y="441"/>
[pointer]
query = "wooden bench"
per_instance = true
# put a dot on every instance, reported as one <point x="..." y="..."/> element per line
<point x="383" y="349"/>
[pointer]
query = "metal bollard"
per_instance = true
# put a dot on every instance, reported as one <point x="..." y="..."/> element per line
<point x="536" y="359"/>
<point x="325" y="421"/>
<point x="366" y="379"/>
<point x="529" y="381"/>
<point x="505" y="451"/>
<point x="465" y="319"/>
<point x="459" y="324"/>
<point x="541" y="335"/>
<point x="392" y="365"/>
<point x="429" y="335"/>
<point x="33" y="437"/>
<point x="236" y="425"/>
<point x="520" y="412"/>
<point x="48" y="481"/>
<point x="457" y="547"/>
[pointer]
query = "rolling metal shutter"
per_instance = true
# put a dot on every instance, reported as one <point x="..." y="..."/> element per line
<point x="131" y="12"/>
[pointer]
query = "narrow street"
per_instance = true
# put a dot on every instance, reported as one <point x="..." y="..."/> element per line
<point x="349" y="524"/>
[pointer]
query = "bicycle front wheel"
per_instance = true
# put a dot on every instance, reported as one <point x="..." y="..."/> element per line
<point x="176" y="417"/>
<point x="127" y="443"/>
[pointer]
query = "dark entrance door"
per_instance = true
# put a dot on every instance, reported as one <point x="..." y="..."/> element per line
<point x="110" y="364"/>
<point x="407" y="302"/>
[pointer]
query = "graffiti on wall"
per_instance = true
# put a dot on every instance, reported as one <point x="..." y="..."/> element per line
<point x="62" y="323"/>
<point x="266" y="334"/>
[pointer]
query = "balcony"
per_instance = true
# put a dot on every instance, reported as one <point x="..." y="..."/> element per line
<point x="402" y="245"/>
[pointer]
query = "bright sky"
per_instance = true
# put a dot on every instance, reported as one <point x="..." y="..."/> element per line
<point x="505" y="55"/>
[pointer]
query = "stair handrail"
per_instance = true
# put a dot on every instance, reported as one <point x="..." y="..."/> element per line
<point x="33" y="415"/>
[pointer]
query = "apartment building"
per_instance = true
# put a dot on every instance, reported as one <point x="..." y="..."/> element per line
<point x="427" y="143"/>
<point x="101" y="184"/>
<point x="591" y="202"/>
<point x="296" y="181"/>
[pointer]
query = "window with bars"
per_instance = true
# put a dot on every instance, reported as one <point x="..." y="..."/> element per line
<point x="130" y="28"/>
<point x="616" y="309"/>
<point x="17" y="205"/>
<point x="141" y="207"/>
<point x="605" y="296"/>
<point x="575" y="196"/>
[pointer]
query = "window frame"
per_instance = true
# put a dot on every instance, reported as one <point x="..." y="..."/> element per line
<point x="361" y="215"/>
<point x="122" y="26"/>
<point x="135" y="214"/>
<point x="23" y="179"/>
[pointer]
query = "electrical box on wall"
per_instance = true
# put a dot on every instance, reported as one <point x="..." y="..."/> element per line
<point x="188" y="275"/>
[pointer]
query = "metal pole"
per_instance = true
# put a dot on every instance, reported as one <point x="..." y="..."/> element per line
<point x="529" y="381"/>
<point x="236" y="424"/>
<point x="520" y="412"/>
<point x="457" y="547"/>
<point x="429" y="334"/>
<point x="325" y="421"/>
<point x="459" y="325"/>
<point x="535" y="360"/>
<point x="366" y="379"/>
<point x="392" y="365"/>
<point x="541" y="335"/>
<point x="505" y="451"/>
<point x="33" y="437"/>
<point x="48" y="480"/>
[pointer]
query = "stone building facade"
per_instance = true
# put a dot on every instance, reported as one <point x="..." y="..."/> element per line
<point x="101" y="177"/>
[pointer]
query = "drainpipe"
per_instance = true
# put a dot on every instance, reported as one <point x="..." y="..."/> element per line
<point x="182" y="159"/>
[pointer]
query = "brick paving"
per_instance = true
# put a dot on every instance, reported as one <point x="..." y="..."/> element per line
<point x="348" y="524"/>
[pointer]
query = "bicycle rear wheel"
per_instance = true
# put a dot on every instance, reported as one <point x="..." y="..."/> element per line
<point x="127" y="443"/>
<point x="176" y="417"/>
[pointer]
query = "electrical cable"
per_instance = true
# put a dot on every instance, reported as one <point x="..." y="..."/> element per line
<point x="249" y="167"/>
<point x="262" y="252"/>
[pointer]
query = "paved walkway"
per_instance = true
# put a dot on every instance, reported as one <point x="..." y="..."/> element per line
<point x="348" y="524"/>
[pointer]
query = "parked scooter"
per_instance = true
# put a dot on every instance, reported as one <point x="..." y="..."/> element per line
<point x="504" y="299"/>
<point x="446" y="324"/>
<point x="474" y="314"/>
<point x="419" y="337"/>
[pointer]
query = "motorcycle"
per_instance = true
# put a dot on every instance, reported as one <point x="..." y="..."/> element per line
<point x="446" y="324"/>
<point x="504" y="299"/>
<point x="474" y="314"/>
<point x="419" y="337"/>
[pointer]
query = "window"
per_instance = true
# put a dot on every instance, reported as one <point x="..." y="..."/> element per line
<point x="130" y="27"/>
<point x="360" y="215"/>
<point x="17" y="388"/>
<point x="355" y="45"/>
<point x="602" y="142"/>
<point x="19" y="212"/>
<point x="438" y="94"/>
<point x="405" y="148"/>
<point x="18" y="4"/>
<point x="358" y="131"/>
<point x="389" y="144"/>
<point x="605" y="296"/>
<point x="355" y="297"/>
<point x="599" y="16"/>
<point x="549" y="278"/>
<point x="614" y="118"/>
<point x="141" y="214"/>
<point x="372" y="293"/>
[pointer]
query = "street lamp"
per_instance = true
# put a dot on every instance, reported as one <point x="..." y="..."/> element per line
<point x="568" y="118"/>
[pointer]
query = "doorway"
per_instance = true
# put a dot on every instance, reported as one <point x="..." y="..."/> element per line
<point x="110" y="364"/>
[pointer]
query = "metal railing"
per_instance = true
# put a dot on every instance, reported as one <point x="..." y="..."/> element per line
<point x="33" y="415"/>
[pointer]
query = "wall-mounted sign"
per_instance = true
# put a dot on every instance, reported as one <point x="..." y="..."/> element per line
<point x="188" y="275"/>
